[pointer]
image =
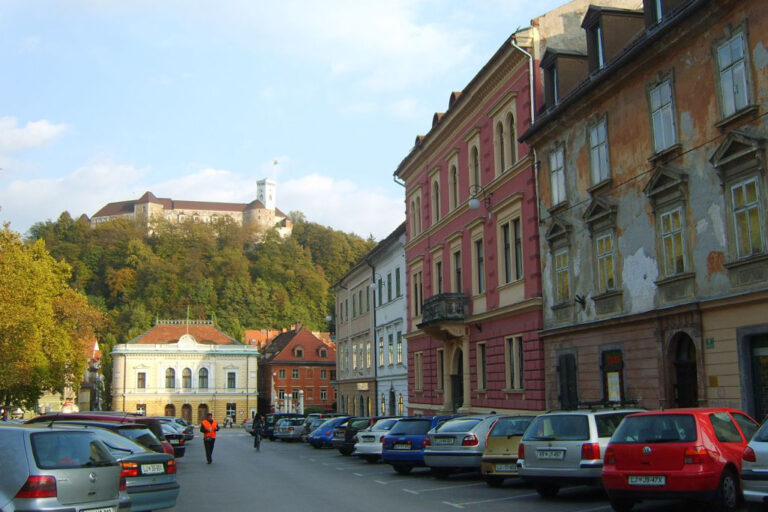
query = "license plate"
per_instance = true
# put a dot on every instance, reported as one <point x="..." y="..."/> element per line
<point x="102" y="509"/>
<point x="443" y="440"/>
<point x="402" y="446"/>
<point x="649" y="480"/>
<point x="550" y="454"/>
<point x="152" y="469"/>
<point x="368" y="439"/>
<point x="174" y="441"/>
<point x="506" y="468"/>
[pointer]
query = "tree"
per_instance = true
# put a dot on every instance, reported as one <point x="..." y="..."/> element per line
<point x="45" y="326"/>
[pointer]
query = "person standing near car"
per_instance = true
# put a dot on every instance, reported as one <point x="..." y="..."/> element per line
<point x="209" y="427"/>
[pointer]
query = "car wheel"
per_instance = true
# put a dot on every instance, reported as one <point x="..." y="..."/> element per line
<point x="345" y="451"/>
<point x="371" y="459"/>
<point x="727" y="499"/>
<point x="441" y="473"/>
<point x="619" y="505"/>
<point x="316" y="446"/>
<point x="547" y="491"/>
<point x="494" y="481"/>
<point x="402" y="469"/>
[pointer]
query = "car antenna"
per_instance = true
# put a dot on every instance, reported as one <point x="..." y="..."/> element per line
<point x="50" y="425"/>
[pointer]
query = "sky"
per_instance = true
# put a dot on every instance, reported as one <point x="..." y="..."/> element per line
<point x="101" y="101"/>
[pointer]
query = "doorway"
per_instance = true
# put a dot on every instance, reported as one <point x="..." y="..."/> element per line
<point x="685" y="372"/>
<point x="759" y="356"/>
<point x="186" y="413"/>
<point x="391" y="401"/>
<point x="568" y="379"/>
<point x="457" y="380"/>
<point x="170" y="410"/>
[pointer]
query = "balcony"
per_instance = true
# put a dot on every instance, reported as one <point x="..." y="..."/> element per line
<point x="443" y="315"/>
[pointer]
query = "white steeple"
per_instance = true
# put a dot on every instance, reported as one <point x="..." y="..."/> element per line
<point x="265" y="192"/>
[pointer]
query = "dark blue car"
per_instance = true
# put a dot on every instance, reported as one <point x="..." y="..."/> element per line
<point x="323" y="435"/>
<point x="403" y="446"/>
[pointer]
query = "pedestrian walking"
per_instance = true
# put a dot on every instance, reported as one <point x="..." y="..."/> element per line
<point x="258" y="428"/>
<point x="209" y="427"/>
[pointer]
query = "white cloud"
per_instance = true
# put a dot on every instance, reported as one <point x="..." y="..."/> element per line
<point x="208" y="184"/>
<point x="33" y="134"/>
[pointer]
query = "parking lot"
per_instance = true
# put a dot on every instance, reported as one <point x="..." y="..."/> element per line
<point x="294" y="476"/>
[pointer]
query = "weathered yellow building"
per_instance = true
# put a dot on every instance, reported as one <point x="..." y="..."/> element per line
<point x="185" y="369"/>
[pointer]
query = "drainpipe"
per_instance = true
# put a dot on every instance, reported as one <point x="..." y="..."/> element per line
<point x="373" y="340"/>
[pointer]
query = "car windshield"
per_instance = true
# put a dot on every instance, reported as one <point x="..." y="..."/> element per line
<point x="512" y="426"/>
<point x="458" y="425"/>
<point x="384" y="424"/>
<point x="656" y="428"/>
<point x="411" y="427"/>
<point x="558" y="427"/>
<point x="61" y="450"/>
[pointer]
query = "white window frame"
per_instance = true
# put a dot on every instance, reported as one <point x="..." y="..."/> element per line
<point x="748" y="208"/>
<point x="562" y="274"/>
<point x="605" y="249"/>
<point x="733" y="75"/>
<point x="514" y="362"/>
<point x="598" y="151"/>
<point x="672" y="240"/>
<point x="661" y="98"/>
<point x="557" y="175"/>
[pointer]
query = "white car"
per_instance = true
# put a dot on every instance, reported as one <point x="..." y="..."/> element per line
<point x="368" y="441"/>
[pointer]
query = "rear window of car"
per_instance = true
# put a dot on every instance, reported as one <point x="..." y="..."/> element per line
<point x="510" y="427"/>
<point x="608" y="423"/>
<point x="458" y="425"/>
<point x="558" y="427"/>
<point x="62" y="450"/>
<point x="143" y="436"/>
<point x="384" y="424"/>
<point x="656" y="428"/>
<point x="725" y="429"/>
<point x="358" y="424"/>
<point x="411" y="427"/>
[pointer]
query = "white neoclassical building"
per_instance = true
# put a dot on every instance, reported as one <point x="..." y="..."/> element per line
<point x="186" y="369"/>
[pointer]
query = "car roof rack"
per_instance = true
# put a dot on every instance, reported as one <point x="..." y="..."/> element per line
<point x="607" y="404"/>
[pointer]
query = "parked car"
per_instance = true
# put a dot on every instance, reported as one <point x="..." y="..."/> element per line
<point x="693" y="454"/>
<point x="322" y="436"/>
<point x="58" y="469"/>
<point x="150" y="477"/>
<point x="309" y="426"/>
<point x="403" y="445"/>
<point x="289" y="429"/>
<point x="368" y="441"/>
<point x="344" y="434"/>
<point x="189" y="429"/>
<point x="754" y="467"/>
<point x="116" y="416"/>
<point x="175" y="435"/>
<point x="562" y="448"/>
<point x="136" y="432"/>
<point x="457" y="444"/>
<point x="500" y="455"/>
<point x="271" y="419"/>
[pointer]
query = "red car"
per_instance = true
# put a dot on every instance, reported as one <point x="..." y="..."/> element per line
<point x="691" y="454"/>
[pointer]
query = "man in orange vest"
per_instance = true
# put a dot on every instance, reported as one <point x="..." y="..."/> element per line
<point x="208" y="427"/>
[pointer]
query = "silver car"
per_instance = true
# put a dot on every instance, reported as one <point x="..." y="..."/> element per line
<point x="52" y="469"/>
<point x="457" y="444"/>
<point x="754" y="467"/>
<point x="289" y="429"/>
<point x="368" y="445"/>
<point x="567" y="448"/>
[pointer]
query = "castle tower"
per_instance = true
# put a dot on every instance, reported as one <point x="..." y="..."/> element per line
<point x="265" y="192"/>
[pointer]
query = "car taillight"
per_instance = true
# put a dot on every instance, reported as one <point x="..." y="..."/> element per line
<point x="696" y="455"/>
<point x="610" y="456"/>
<point x="470" y="440"/>
<point x="749" y="455"/>
<point x="182" y="440"/>
<point x="427" y="442"/>
<point x="328" y="433"/>
<point x="381" y="439"/>
<point x="590" y="451"/>
<point x="521" y="451"/>
<point x="38" y="486"/>
<point x="129" y="469"/>
<point x="170" y="467"/>
<point x="123" y="484"/>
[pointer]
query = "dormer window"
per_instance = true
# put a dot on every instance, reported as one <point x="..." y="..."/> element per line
<point x="323" y="353"/>
<point x="299" y="353"/>
<point x="657" y="11"/>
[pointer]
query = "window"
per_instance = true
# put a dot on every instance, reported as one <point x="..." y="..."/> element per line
<point x="381" y="292"/>
<point x="475" y="166"/>
<point x="360" y="300"/>
<point x="440" y="368"/>
<point x="346" y="309"/>
<point x="598" y="152"/>
<point x="612" y="368"/>
<point x="400" y="406"/>
<point x="506" y="240"/>
<point x="281" y="394"/>
<point x="514" y="362"/>
<point x="598" y="35"/>
<point x="747" y="218"/>
<point x="418" y="371"/>
<point x="457" y="272"/>
<point x="391" y="350"/>
<point x="368" y="354"/>
<point x="170" y="378"/>
<point x="323" y="374"/>
<point x="333" y="374"/>
<point x="733" y="75"/>
<point x="389" y="287"/>
<point x="663" y="116"/>
<point x="186" y="378"/>
<point x="281" y="374"/>
<point x="202" y="378"/>
<point x="354" y="306"/>
<point x="232" y="410"/>
<point x="309" y="394"/>
<point x="672" y="242"/>
<point x="323" y="394"/>
<point x="141" y="380"/>
<point x="383" y="404"/>
<point x="323" y="353"/>
<point x="299" y="354"/>
<point x="482" y="376"/>
<point x="141" y="409"/>
<point x="435" y="201"/>
<point x="381" y="351"/>
<point x="295" y="395"/>
<point x="511" y="251"/>
<point x="605" y="271"/>
<point x="479" y="267"/>
<point x="562" y="277"/>
<point x="518" y="246"/>
<point x="725" y="430"/>
<point x="557" y="176"/>
<point x="295" y="373"/>
<point x="399" y="347"/>
<point x="231" y="384"/>
<point x="439" y="277"/>
<point x="417" y="294"/>
<point x="397" y="282"/>
<point x="500" y="145"/>
<point x="512" y="137"/>
<point x="454" y="187"/>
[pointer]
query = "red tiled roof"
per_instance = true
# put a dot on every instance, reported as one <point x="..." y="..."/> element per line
<point x="205" y="334"/>
<point x="119" y="208"/>
<point x="282" y="348"/>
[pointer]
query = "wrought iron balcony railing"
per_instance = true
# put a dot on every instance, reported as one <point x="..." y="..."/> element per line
<point x="445" y="307"/>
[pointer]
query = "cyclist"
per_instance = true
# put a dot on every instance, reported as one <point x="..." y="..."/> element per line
<point x="258" y="428"/>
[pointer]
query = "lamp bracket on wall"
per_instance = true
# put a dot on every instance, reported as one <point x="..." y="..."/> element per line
<point x="478" y="195"/>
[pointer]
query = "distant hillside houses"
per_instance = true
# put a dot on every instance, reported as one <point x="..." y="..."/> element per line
<point x="262" y="211"/>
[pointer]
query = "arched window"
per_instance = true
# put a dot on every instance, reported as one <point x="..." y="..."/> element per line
<point x="170" y="378"/>
<point x="186" y="378"/>
<point x="512" y="131"/>
<point x="436" y="200"/>
<point x="202" y="378"/>
<point x="455" y="186"/>
<point x="418" y="214"/>
<point x="500" y="148"/>
<point x="475" y="166"/>
<point x="400" y="406"/>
